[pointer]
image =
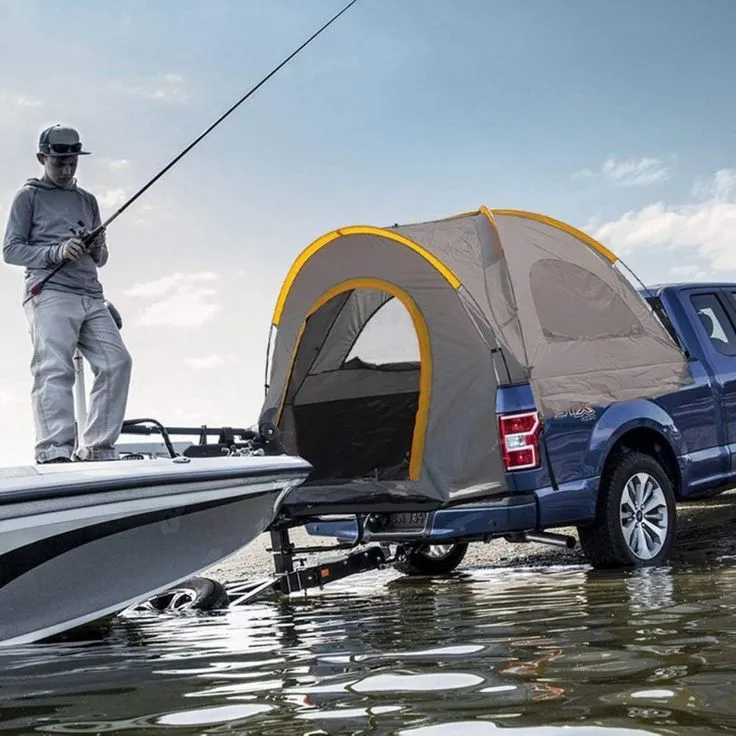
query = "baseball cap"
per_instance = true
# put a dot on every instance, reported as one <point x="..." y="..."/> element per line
<point x="60" y="140"/>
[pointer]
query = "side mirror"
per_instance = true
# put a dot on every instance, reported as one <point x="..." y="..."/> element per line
<point x="115" y="314"/>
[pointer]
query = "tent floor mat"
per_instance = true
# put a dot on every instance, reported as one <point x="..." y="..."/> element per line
<point x="353" y="497"/>
<point x="352" y="438"/>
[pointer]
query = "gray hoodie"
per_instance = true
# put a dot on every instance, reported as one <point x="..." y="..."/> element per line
<point x="41" y="219"/>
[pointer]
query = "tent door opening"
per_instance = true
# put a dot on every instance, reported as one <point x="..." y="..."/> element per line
<point x="357" y="398"/>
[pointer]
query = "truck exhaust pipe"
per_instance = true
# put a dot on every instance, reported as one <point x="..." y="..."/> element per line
<point x="556" y="540"/>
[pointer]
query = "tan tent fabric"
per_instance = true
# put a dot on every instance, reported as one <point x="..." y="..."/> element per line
<point x="590" y="338"/>
<point x="347" y="328"/>
<point x="496" y="298"/>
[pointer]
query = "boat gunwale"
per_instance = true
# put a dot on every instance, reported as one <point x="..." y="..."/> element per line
<point x="100" y="485"/>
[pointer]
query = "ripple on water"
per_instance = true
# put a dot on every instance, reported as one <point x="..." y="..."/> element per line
<point x="481" y="728"/>
<point x="561" y="651"/>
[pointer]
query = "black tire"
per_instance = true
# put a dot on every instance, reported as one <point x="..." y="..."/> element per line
<point x="195" y="594"/>
<point x="603" y="541"/>
<point x="414" y="559"/>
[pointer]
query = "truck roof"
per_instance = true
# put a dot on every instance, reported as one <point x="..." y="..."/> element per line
<point x="656" y="289"/>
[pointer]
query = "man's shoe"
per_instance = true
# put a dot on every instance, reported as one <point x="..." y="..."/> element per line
<point x="55" y="460"/>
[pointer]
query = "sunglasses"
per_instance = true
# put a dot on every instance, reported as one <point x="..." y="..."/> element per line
<point x="62" y="149"/>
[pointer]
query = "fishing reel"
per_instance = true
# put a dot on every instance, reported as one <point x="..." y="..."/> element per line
<point x="80" y="232"/>
<point x="86" y="236"/>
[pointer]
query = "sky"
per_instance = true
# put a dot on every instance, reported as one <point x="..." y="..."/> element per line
<point x="615" y="116"/>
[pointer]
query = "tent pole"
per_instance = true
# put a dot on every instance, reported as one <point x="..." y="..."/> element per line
<point x="268" y="359"/>
<point x="639" y="281"/>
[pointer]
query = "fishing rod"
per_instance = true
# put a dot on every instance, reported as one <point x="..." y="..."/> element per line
<point x="88" y="237"/>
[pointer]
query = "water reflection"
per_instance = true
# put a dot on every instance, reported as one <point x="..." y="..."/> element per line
<point x="647" y="652"/>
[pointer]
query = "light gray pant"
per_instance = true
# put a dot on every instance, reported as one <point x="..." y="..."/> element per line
<point x="60" y="322"/>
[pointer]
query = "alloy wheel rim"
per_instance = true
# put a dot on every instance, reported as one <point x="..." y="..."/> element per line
<point x="175" y="599"/>
<point x="438" y="551"/>
<point x="644" y="516"/>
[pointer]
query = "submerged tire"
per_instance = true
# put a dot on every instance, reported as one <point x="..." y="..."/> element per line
<point x="195" y="594"/>
<point x="636" y="519"/>
<point x="429" y="559"/>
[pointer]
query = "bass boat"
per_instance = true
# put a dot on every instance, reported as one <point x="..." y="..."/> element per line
<point x="84" y="540"/>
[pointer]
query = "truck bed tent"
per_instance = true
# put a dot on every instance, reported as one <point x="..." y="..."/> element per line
<point x="496" y="298"/>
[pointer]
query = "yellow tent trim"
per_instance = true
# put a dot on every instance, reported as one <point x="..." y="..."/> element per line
<point x="425" y="353"/>
<point x="569" y="229"/>
<point x="320" y="243"/>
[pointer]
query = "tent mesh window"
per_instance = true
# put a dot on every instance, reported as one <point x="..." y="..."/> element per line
<point x="357" y="420"/>
<point x="565" y="295"/>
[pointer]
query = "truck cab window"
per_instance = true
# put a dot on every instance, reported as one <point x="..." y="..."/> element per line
<point x="662" y="317"/>
<point x="715" y="322"/>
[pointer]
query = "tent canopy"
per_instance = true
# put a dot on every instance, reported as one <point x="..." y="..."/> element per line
<point x="495" y="298"/>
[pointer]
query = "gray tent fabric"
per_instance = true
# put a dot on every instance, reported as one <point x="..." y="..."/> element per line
<point x="496" y="297"/>
<point x="590" y="338"/>
<point x="347" y="328"/>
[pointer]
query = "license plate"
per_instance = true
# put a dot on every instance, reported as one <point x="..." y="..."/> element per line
<point x="406" y="521"/>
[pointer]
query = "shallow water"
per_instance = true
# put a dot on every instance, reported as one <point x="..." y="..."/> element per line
<point x="486" y="652"/>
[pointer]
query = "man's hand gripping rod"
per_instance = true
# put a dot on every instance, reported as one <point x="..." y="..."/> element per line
<point x="87" y="239"/>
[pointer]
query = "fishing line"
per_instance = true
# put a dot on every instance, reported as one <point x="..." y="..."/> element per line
<point x="88" y="237"/>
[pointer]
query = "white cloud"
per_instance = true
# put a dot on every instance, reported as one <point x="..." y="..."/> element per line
<point x="6" y="398"/>
<point x="187" y="302"/>
<point x="188" y="307"/>
<point x="111" y="198"/>
<point x="164" y="87"/>
<point x="159" y="287"/>
<point x="149" y="214"/>
<point x="142" y="214"/>
<point x="705" y="228"/>
<point x="718" y="187"/>
<point x="23" y="102"/>
<point x="631" y="172"/>
<point x="206" y="361"/>
<point x="18" y="100"/>
<point x="119" y="164"/>
<point x="17" y="108"/>
<point x="690" y="271"/>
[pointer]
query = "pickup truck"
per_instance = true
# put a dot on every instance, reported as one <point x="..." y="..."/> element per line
<point x="615" y="473"/>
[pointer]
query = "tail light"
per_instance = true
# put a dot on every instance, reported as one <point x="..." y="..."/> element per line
<point x="519" y="435"/>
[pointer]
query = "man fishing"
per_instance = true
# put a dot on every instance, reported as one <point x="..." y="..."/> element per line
<point x="70" y="311"/>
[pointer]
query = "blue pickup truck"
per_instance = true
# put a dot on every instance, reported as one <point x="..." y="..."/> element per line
<point x="615" y="472"/>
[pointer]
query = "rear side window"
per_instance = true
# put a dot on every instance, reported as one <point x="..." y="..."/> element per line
<point x="663" y="318"/>
<point x="715" y="322"/>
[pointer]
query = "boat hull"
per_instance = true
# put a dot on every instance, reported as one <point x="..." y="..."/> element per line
<point x="68" y="558"/>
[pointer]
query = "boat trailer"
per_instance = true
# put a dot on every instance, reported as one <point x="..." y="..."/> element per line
<point x="369" y="539"/>
<point x="289" y="575"/>
<point x="288" y="578"/>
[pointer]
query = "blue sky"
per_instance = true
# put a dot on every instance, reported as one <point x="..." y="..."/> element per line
<point x="614" y="116"/>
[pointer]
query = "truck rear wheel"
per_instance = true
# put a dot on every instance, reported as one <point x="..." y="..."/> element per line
<point x="636" y="520"/>
<point x="429" y="559"/>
